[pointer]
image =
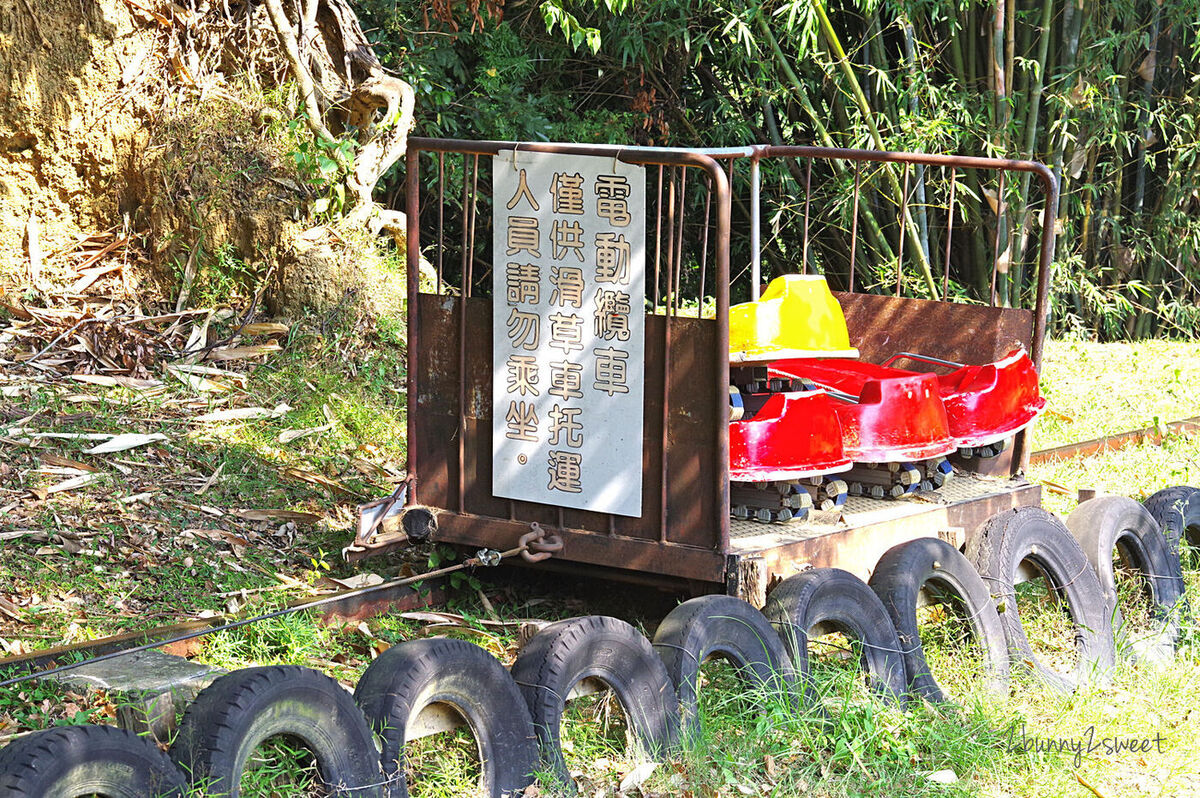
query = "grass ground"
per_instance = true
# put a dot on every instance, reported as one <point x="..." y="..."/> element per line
<point x="1100" y="389"/>
<point x="177" y="507"/>
<point x="219" y="510"/>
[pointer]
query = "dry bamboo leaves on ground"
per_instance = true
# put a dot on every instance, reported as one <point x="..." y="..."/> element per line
<point x="243" y="414"/>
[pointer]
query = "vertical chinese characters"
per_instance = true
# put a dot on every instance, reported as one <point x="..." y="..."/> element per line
<point x="566" y="329"/>
<point x="522" y="286"/>
<point x="568" y="299"/>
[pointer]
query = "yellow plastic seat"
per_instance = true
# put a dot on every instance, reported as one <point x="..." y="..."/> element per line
<point x="796" y="317"/>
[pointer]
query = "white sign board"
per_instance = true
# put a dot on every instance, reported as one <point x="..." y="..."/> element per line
<point x="568" y="337"/>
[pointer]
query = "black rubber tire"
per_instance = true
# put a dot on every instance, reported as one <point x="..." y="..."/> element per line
<point x="75" y="761"/>
<point x="1177" y="511"/>
<point x="727" y="627"/>
<point x="1031" y="533"/>
<point x="595" y="646"/>
<point x="939" y="568"/>
<point x="1107" y="524"/>
<point x="416" y="674"/>
<point x="239" y="711"/>
<point x="836" y="600"/>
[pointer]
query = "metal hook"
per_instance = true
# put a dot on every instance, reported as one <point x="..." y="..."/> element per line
<point x="538" y="545"/>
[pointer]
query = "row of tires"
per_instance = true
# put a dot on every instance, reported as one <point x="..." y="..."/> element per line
<point x="358" y="741"/>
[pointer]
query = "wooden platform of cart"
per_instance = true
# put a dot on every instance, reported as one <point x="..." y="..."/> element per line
<point x="856" y="535"/>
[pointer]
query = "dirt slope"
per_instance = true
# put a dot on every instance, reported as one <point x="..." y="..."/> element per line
<point x="71" y="122"/>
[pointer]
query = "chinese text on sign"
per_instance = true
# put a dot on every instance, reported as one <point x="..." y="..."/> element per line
<point x="568" y="340"/>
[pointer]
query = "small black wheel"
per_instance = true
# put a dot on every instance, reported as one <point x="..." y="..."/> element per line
<point x="1109" y="525"/>
<point x="726" y="627"/>
<point x="1177" y="511"/>
<point x="933" y="565"/>
<point x="77" y="761"/>
<point x="239" y="711"/>
<point x="832" y="600"/>
<point x="412" y="676"/>
<point x="1032" y="535"/>
<point x="566" y="653"/>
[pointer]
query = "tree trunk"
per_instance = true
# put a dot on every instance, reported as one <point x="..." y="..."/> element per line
<point x="345" y="91"/>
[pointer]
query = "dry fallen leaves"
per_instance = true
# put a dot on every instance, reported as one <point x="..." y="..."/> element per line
<point x="124" y="442"/>
<point x="73" y="483"/>
<point x="312" y="477"/>
<point x="242" y="414"/>
<point x="298" y="516"/>
<point x="264" y="328"/>
<point x="243" y="352"/>
<point x="11" y="610"/>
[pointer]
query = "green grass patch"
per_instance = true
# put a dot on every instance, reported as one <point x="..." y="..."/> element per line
<point x="444" y="765"/>
<point x="954" y="657"/>
<point x="1103" y="389"/>
<point x="281" y="767"/>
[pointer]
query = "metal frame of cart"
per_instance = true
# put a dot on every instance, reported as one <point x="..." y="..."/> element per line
<point x="685" y="536"/>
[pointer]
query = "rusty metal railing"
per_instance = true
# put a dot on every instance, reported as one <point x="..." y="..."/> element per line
<point x="952" y="164"/>
<point x="669" y="263"/>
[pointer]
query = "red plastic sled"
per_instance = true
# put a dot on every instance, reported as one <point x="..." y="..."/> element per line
<point x="886" y="415"/>
<point x="987" y="403"/>
<point x="793" y="435"/>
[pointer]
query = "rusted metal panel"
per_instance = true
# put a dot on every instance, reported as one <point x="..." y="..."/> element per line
<point x="626" y="553"/>
<point x="881" y="326"/>
<point x="695" y="504"/>
<point x="694" y="501"/>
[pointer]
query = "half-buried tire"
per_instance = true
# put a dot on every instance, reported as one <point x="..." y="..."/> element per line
<point x="1032" y="535"/>
<point x="947" y="577"/>
<point x="596" y="647"/>
<point x="77" y="761"/>
<point x="723" y="627"/>
<point x="1109" y="525"/>
<point x="824" y="600"/>
<point x="241" y="710"/>
<point x="1177" y="511"/>
<point x="437" y="674"/>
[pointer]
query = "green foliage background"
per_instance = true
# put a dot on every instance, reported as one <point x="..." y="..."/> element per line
<point x="1108" y="94"/>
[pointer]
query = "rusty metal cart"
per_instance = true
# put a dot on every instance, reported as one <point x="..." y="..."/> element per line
<point x="684" y="537"/>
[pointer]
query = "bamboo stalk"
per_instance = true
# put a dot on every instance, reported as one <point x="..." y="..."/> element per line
<point x="1010" y="25"/>
<point x="1148" y="71"/>
<point x="1032" y="118"/>
<point x="910" y="57"/>
<point x="972" y="28"/>
<point x="999" y="46"/>
<point x="874" y="231"/>
<point x="908" y="229"/>
<point x="883" y="102"/>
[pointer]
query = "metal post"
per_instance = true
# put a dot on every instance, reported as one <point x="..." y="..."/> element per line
<point x="854" y="223"/>
<point x="807" y="202"/>
<point x="441" y="217"/>
<point x="412" y="258"/>
<point x="903" y="229"/>
<point x="996" y="240"/>
<point x="755" y="233"/>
